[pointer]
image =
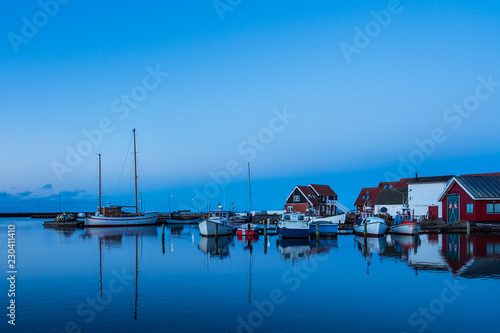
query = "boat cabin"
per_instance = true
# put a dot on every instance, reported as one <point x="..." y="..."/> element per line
<point x="402" y="218"/>
<point x="293" y="217"/>
<point x="219" y="215"/>
<point x="114" y="211"/>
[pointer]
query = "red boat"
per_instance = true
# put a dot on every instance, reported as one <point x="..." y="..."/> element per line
<point x="247" y="229"/>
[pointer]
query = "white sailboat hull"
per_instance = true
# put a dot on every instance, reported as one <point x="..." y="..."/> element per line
<point x="148" y="218"/>
<point x="208" y="228"/>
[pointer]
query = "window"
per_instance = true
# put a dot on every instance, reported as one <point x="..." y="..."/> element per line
<point x="385" y="187"/>
<point x="390" y="186"/>
<point x="287" y="217"/>
<point x="470" y="208"/>
<point x="300" y="217"/>
<point x="363" y="198"/>
<point x="290" y="209"/>
<point x="493" y="208"/>
<point x="296" y="198"/>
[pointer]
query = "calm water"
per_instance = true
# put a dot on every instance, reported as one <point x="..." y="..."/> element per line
<point x="123" y="280"/>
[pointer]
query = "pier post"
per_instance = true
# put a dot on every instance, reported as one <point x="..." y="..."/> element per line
<point x="467" y="238"/>
<point x="265" y="228"/>
<point x="163" y="238"/>
<point x="317" y="229"/>
<point x="216" y="230"/>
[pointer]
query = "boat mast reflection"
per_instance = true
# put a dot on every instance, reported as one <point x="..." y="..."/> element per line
<point x="113" y="238"/>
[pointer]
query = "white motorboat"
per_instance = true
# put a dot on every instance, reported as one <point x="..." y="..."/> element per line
<point x="217" y="224"/>
<point x="405" y="225"/>
<point x="293" y="225"/>
<point x="369" y="224"/>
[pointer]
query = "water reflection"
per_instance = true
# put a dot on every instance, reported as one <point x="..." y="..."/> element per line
<point x="113" y="238"/>
<point x="293" y="248"/>
<point x="303" y="248"/>
<point x="323" y="245"/>
<point x="472" y="256"/>
<point x="370" y="245"/>
<point x="216" y="247"/>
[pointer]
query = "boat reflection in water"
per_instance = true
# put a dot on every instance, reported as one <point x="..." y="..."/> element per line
<point x="323" y="245"/>
<point x="248" y="239"/>
<point x="293" y="248"/>
<point x="372" y="244"/>
<point x="112" y="238"/>
<point x="217" y="247"/>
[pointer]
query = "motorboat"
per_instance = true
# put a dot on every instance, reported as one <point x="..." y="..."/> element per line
<point x="217" y="224"/>
<point x="369" y="224"/>
<point x="293" y="225"/>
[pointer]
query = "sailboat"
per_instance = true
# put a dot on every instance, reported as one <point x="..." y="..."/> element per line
<point x="114" y="216"/>
<point x="248" y="229"/>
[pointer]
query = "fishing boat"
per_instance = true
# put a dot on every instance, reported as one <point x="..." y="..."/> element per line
<point x="217" y="224"/>
<point x="327" y="225"/>
<point x="405" y="225"/>
<point x="247" y="229"/>
<point x="369" y="224"/>
<point x="293" y="225"/>
<point x="114" y="215"/>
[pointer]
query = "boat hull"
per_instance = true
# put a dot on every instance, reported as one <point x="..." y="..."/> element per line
<point x="128" y="221"/>
<point x="208" y="228"/>
<point x="324" y="228"/>
<point x="247" y="229"/>
<point x="285" y="232"/>
<point x="406" y="228"/>
<point x="376" y="228"/>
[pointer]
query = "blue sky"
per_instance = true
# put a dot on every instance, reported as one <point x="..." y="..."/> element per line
<point x="308" y="92"/>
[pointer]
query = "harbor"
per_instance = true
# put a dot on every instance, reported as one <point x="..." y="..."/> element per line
<point x="155" y="276"/>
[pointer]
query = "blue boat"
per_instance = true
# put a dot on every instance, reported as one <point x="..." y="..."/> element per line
<point x="293" y="225"/>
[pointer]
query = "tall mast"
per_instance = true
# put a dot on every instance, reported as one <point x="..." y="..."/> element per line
<point x="249" y="191"/>
<point x="135" y="170"/>
<point x="100" y="184"/>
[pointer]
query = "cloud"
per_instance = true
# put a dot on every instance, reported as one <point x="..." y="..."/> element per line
<point x="47" y="187"/>
<point x="24" y="194"/>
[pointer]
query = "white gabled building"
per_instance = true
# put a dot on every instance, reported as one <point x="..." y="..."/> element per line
<point x="424" y="193"/>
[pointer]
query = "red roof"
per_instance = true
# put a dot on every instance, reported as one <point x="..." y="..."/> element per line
<point x="373" y="193"/>
<point x="310" y="195"/>
<point x="322" y="190"/>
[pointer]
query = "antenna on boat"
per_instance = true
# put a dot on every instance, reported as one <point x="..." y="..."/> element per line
<point x="135" y="171"/>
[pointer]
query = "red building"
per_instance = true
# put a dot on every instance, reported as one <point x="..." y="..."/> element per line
<point x="368" y="195"/>
<point x="318" y="199"/>
<point x="474" y="198"/>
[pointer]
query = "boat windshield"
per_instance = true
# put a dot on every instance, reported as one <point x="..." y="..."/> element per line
<point x="301" y="217"/>
<point x="287" y="217"/>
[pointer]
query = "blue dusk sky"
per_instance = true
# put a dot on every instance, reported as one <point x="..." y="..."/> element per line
<point x="344" y="93"/>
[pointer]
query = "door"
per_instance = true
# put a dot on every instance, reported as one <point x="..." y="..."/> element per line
<point x="453" y="202"/>
<point x="433" y="212"/>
